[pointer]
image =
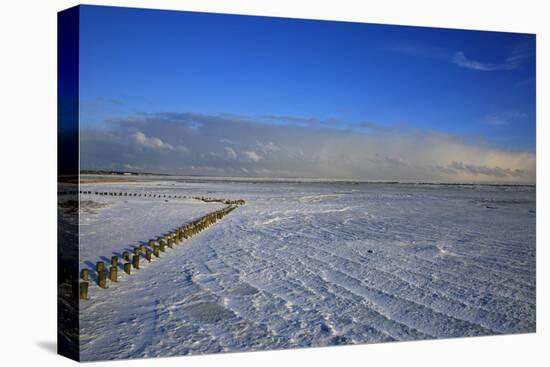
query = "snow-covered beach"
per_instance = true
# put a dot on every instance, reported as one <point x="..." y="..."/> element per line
<point x="309" y="264"/>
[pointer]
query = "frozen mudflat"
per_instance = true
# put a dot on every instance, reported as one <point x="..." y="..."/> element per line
<point x="310" y="264"/>
<point x="109" y="225"/>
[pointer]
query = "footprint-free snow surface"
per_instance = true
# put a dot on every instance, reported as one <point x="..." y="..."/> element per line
<point x="309" y="264"/>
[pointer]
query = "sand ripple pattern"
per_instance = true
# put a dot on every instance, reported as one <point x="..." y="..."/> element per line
<point x="325" y="264"/>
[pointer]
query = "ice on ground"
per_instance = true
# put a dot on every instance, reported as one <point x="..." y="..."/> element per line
<point x="110" y="225"/>
<point x="312" y="264"/>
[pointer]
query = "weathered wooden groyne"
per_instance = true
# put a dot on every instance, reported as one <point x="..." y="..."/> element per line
<point x="154" y="248"/>
<point x="135" y="194"/>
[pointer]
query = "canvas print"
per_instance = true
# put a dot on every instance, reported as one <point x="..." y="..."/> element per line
<point x="234" y="183"/>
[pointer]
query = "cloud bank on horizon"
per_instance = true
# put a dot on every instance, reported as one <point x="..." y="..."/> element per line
<point x="285" y="147"/>
<point x="447" y="104"/>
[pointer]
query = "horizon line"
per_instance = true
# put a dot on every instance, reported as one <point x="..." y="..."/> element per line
<point x="297" y="179"/>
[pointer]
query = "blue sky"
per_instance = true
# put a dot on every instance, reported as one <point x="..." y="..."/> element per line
<point x="344" y="79"/>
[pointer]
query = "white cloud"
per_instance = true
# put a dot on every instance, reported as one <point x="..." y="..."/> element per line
<point x="504" y="118"/>
<point x="227" y="141"/>
<point x="230" y="153"/>
<point x="268" y="148"/>
<point x="151" y="142"/>
<point x="519" y="53"/>
<point x="253" y="156"/>
<point x="510" y="63"/>
<point x="393" y="153"/>
<point x="157" y="144"/>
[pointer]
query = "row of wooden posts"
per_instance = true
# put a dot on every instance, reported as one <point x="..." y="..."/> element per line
<point x="223" y="201"/>
<point x="145" y="194"/>
<point x="135" y="194"/>
<point x="154" y="249"/>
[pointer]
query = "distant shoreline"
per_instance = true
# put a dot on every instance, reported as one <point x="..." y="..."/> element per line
<point x="115" y="176"/>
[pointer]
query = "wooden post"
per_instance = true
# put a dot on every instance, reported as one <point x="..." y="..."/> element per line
<point x="148" y="255"/>
<point x="142" y="248"/>
<point x="162" y="244"/>
<point x="113" y="274"/>
<point x="83" y="290"/>
<point x="85" y="274"/>
<point x="170" y="243"/>
<point x="156" y="250"/>
<point x="126" y="255"/>
<point x="127" y="268"/>
<point x="136" y="251"/>
<point x="99" y="267"/>
<point x="114" y="261"/>
<point x="135" y="261"/>
<point x="102" y="279"/>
